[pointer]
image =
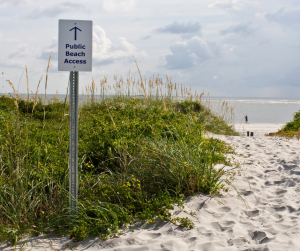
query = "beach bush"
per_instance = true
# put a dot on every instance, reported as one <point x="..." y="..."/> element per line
<point x="137" y="158"/>
<point x="290" y="129"/>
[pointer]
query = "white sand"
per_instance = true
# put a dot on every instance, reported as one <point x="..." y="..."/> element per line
<point x="269" y="220"/>
<point x="257" y="129"/>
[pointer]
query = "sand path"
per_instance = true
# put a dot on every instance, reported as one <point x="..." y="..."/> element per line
<point x="269" y="182"/>
<point x="258" y="129"/>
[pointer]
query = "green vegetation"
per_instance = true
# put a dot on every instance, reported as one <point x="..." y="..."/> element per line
<point x="290" y="129"/>
<point x="184" y="222"/>
<point x="137" y="158"/>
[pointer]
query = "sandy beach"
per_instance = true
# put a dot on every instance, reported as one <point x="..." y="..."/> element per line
<point x="265" y="217"/>
<point x="257" y="129"/>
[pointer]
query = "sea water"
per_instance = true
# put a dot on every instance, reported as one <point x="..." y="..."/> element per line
<point x="258" y="110"/>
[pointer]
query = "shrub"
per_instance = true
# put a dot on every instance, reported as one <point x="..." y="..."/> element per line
<point x="290" y="129"/>
<point x="137" y="159"/>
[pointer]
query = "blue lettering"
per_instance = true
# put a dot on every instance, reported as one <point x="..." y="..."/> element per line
<point x="75" y="46"/>
<point x="75" y="54"/>
<point x="74" y="61"/>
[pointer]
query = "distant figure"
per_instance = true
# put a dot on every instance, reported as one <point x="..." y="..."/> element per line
<point x="246" y="120"/>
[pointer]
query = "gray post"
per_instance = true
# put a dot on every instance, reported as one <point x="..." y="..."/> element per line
<point x="73" y="154"/>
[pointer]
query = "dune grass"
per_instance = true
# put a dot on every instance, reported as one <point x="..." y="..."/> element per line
<point x="138" y="156"/>
<point x="290" y="129"/>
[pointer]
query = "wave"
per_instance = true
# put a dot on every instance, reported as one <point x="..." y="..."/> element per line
<point x="257" y="101"/>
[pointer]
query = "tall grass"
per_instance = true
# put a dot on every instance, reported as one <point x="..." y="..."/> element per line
<point x="176" y="162"/>
<point x="46" y="82"/>
<point x="141" y="149"/>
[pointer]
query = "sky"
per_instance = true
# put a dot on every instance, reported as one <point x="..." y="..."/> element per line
<point x="231" y="48"/>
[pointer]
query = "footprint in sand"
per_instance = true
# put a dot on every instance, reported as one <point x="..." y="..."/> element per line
<point x="218" y="227"/>
<point x="290" y="209"/>
<point x="280" y="192"/>
<point x="247" y="193"/>
<point x="252" y="213"/>
<point x="279" y="208"/>
<point x="238" y="242"/>
<point x="257" y="235"/>
<point x="289" y="167"/>
<point x="295" y="172"/>
<point x="224" y="209"/>
<point x="290" y="183"/>
<point x="208" y="233"/>
<point x="269" y="171"/>
<point x="149" y="236"/>
<point x="275" y="182"/>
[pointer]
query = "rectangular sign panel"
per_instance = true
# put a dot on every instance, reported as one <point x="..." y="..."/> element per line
<point x="75" y="41"/>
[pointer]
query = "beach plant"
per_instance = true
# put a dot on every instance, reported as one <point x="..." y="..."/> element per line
<point x="184" y="222"/>
<point x="290" y="129"/>
<point x="139" y="155"/>
<point x="181" y="162"/>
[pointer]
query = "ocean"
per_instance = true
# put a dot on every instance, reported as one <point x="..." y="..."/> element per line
<point x="258" y="110"/>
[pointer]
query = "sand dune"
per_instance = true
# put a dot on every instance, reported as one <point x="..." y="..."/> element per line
<point x="267" y="219"/>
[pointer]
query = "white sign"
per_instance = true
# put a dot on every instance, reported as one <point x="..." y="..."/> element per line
<point x="75" y="40"/>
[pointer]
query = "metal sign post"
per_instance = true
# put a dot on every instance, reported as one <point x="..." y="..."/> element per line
<point x="74" y="54"/>
<point x="73" y="159"/>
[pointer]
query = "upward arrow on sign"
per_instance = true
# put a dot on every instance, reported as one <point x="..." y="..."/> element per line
<point x="75" y="32"/>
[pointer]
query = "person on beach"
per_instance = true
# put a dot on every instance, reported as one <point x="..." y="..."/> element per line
<point x="246" y="119"/>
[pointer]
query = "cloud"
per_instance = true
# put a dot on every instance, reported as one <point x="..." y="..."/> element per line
<point x="244" y="30"/>
<point x="146" y="37"/>
<point x="24" y="53"/>
<point x="46" y="50"/>
<point x="18" y="58"/>
<point x="105" y="53"/>
<point x="227" y="5"/>
<point x="292" y="77"/>
<point x="56" y="10"/>
<point x="288" y="18"/>
<point x="46" y="54"/>
<point x="228" y="48"/>
<point x="177" y="28"/>
<point x="15" y="2"/>
<point x="190" y="52"/>
<point x="114" y="5"/>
